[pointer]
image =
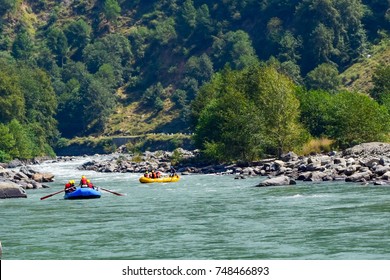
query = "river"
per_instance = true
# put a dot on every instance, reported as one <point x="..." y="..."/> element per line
<point x="199" y="217"/>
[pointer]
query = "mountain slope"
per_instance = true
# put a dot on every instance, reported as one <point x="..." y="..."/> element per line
<point x="358" y="77"/>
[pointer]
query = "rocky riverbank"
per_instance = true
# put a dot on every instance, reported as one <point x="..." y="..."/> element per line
<point x="366" y="163"/>
<point x="13" y="183"/>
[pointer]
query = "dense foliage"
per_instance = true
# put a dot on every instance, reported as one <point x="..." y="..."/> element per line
<point x="66" y="63"/>
<point x="28" y="107"/>
<point x="241" y="114"/>
<point x="350" y="118"/>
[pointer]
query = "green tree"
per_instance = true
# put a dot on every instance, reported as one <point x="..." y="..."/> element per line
<point x="288" y="68"/>
<point x="58" y="43"/>
<point x="187" y="18"/>
<point x="333" y="30"/>
<point x="279" y="109"/>
<point x="7" y="141"/>
<point x="106" y="74"/>
<point x="315" y="107"/>
<point x="111" y="9"/>
<point x="153" y="97"/>
<point x="356" y="118"/>
<point x="381" y="81"/>
<point x="78" y="34"/>
<point x="234" y="47"/>
<point x="255" y="108"/>
<point x="6" y="6"/>
<point x="70" y="113"/>
<point x="41" y="105"/>
<point x="12" y="102"/>
<point x="288" y="47"/>
<point x="165" y="31"/>
<point x="99" y="104"/>
<point x="114" y="50"/>
<point x="229" y="125"/>
<point x="140" y="37"/>
<point x="198" y="70"/>
<point x="204" y="23"/>
<point x="348" y="118"/>
<point x="22" y="47"/>
<point x="325" y="77"/>
<point x="322" y="39"/>
<point x="22" y="148"/>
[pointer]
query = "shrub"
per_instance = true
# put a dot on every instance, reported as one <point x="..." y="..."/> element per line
<point x="316" y="146"/>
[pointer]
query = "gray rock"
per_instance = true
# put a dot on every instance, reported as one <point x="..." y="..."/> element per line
<point x="340" y="161"/>
<point x="20" y="176"/>
<point x="325" y="160"/>
<point x="371" y="162"/>
<point x="276" y="181"/>
<point x="359" y="177"/>
<point x="248" y="171"/>
<point x="316" y="176"/>
<point x="313" y="167"/>
<point x="386" y="176"/>
<point x="350" y="170"/>
<point x="372" y="148"/>
<point x="15" y="163"/>
<point x="304" y="176"/>
<point x="11" y="190"/>
<point x="380" y="183"/>
<point x="381" y="170"/>
<point x="278" y="164"/>
<point x="290" y="156"/>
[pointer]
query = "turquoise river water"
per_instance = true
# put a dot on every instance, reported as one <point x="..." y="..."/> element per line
<point x="199" y="217"/>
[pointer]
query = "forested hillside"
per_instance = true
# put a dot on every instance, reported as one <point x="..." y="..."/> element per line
<point x="121" y="67"/>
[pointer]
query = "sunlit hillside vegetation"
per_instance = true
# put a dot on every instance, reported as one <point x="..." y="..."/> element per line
<point x="119" y="67"/>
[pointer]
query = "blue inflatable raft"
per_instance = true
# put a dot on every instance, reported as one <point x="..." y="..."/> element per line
<point x="83" y="193"/>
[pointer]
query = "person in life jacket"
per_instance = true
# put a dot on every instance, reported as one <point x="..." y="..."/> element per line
<point x="90" y="185"/>
<point x="172" y="171"/>
<point x="83" y="182"/>
<point x="158" y="174"/>
<point x="69" y="187"/>
<point x="146" y="175"/>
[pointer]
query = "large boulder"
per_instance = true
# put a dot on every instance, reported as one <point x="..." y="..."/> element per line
<point x="43" y="177"/>
<point x="11" y="190"/>
<point x="369" y="150"/>
<point x="276" y="181"/>
<point x="359" y="177"/>
<point x="290" y="156"/>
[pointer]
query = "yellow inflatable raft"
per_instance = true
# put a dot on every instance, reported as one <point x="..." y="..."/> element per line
<point x="160" y="180"/>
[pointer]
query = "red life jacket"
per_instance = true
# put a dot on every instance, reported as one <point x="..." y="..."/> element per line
<point x="83" y="181"/>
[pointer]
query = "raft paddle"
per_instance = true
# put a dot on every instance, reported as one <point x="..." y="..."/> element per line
<point x="49" y="195"/>
<point x="119" y="194"/>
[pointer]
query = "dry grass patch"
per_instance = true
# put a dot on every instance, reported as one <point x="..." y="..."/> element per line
<point x="317" y="146"/>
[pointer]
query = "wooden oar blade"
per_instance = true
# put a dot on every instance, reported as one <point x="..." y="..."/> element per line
<point x="119" y="194"/>
<point x="50" y="195"/>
